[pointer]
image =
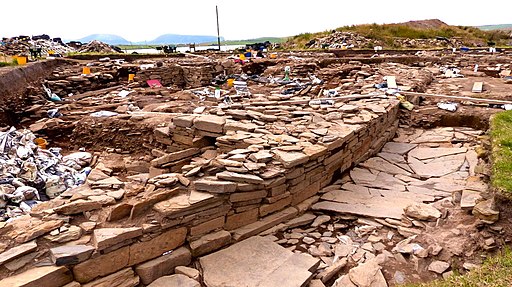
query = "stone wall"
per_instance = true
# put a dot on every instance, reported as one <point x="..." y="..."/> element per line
<point x="244" y="170"/>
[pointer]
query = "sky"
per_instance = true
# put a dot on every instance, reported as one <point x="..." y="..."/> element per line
<point x="148" y="19"/>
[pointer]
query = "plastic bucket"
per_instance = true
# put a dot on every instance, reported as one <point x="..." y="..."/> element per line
<point x="41" y="143"/>
<point x="86" y="71"/>
<point x="22" y="60"/>
<point x="242" y="57"/>
<point x="230" y="82"/>
<point x="248" y="54"/>
<point x="131" y="77"/>
<point x="273" y="56"/>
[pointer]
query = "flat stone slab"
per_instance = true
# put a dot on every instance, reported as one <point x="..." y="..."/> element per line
<point x="257" y="262"/>
<point x="363" y="201"/>
<point x="47" y="276"/>
<point x="17" y="252"/>
<point x="184" y="204"/>
<point x="380" y="164"/>
<point x="175" y="281"/>
<point x="422" y="153"/>
<point x="398" y="148"/>
<point x="438" y="167"/>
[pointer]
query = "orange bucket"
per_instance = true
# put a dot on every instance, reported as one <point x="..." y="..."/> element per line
<point x="22" y="60"/>
<point x="41" y="143"/>
<point x="230" y="82"/>
<point x="86" y="71"/>
<point x="131" y="77"/>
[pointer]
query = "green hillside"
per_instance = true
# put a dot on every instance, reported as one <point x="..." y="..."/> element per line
<point x="428" y="29"/>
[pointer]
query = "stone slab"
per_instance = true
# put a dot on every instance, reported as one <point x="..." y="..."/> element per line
<point x="70" y="254"/>
<point x="163" y="265"/>
<point x="257" y="262"/>
<point x="177" y="280"/>
<point x="210" y="242"/>
<point x="18" y="251"/>
<point x="105" y="237"/>
<point x="47" y="276"/>
<point x="123" y="278"/>
<point x="263" y="224"/>
<point x="398" y="148"/>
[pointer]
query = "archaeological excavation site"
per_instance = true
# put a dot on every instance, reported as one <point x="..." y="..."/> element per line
<point x="311" y="168"/>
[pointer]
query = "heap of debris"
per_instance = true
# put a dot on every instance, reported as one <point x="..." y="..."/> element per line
<point x="337" y="40"/>
<point x="30" y="174"/>
<point x="20" y="45"/>
<point x="427" y="43"/>
<point x="96" y="46"/>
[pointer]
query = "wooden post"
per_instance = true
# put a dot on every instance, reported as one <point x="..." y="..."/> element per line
<point x="218" y="29"/>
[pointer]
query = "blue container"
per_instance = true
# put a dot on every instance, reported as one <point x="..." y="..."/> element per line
<point x="248" y="54"/>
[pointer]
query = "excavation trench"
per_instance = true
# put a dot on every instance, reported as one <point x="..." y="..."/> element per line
<point x="330" y="182"/>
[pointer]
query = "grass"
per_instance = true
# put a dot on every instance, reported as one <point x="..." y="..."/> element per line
<point x="495" y="272"/>
<point x="501" y="135"/>
<point x="387" y="33"/>
<point x="14" y="62"/>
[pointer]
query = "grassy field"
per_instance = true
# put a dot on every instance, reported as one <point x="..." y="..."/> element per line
<point x="501" y="135"/>
<point x="387" y="33"/>
<point x="495" y="272"/>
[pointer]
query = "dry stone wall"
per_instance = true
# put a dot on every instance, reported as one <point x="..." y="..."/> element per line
<point x="240" y="171"/>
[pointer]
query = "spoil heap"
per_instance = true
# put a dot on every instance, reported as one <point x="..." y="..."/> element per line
<point x="30" y="174"/>
<point x="96" y="46"/>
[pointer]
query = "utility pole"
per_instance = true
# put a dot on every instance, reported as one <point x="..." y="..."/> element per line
<point x="218" y="30"/>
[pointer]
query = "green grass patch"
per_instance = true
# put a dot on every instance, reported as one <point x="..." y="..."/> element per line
<point x="501" y="136"/>
<point x="495" y="272"/>
<point x="14" y="62"/>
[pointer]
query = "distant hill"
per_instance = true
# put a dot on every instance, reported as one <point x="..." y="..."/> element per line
<point x="495" y="27"/>
<point x="106" y="38"/>
<point x="182" y="39"/>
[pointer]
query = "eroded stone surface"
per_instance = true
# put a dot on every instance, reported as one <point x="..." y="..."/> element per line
<point x="267" y="265"/>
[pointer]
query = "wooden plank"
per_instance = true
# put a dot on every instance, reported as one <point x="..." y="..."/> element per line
<point x="478" y="87"/>
<point x="391" y="81"/>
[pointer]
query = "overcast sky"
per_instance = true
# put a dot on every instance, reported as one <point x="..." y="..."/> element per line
<point x="238" y="19"/>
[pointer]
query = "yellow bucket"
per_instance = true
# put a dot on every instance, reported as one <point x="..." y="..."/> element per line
<point x="86" y="71"/>
<point x="41" y="143"/>
<point x="273" y="56"/>
<point x="230" y="82"/>
<point x="242" y="57"/>
<point x="131" y="77"/>
<point x="22" y="60"/>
